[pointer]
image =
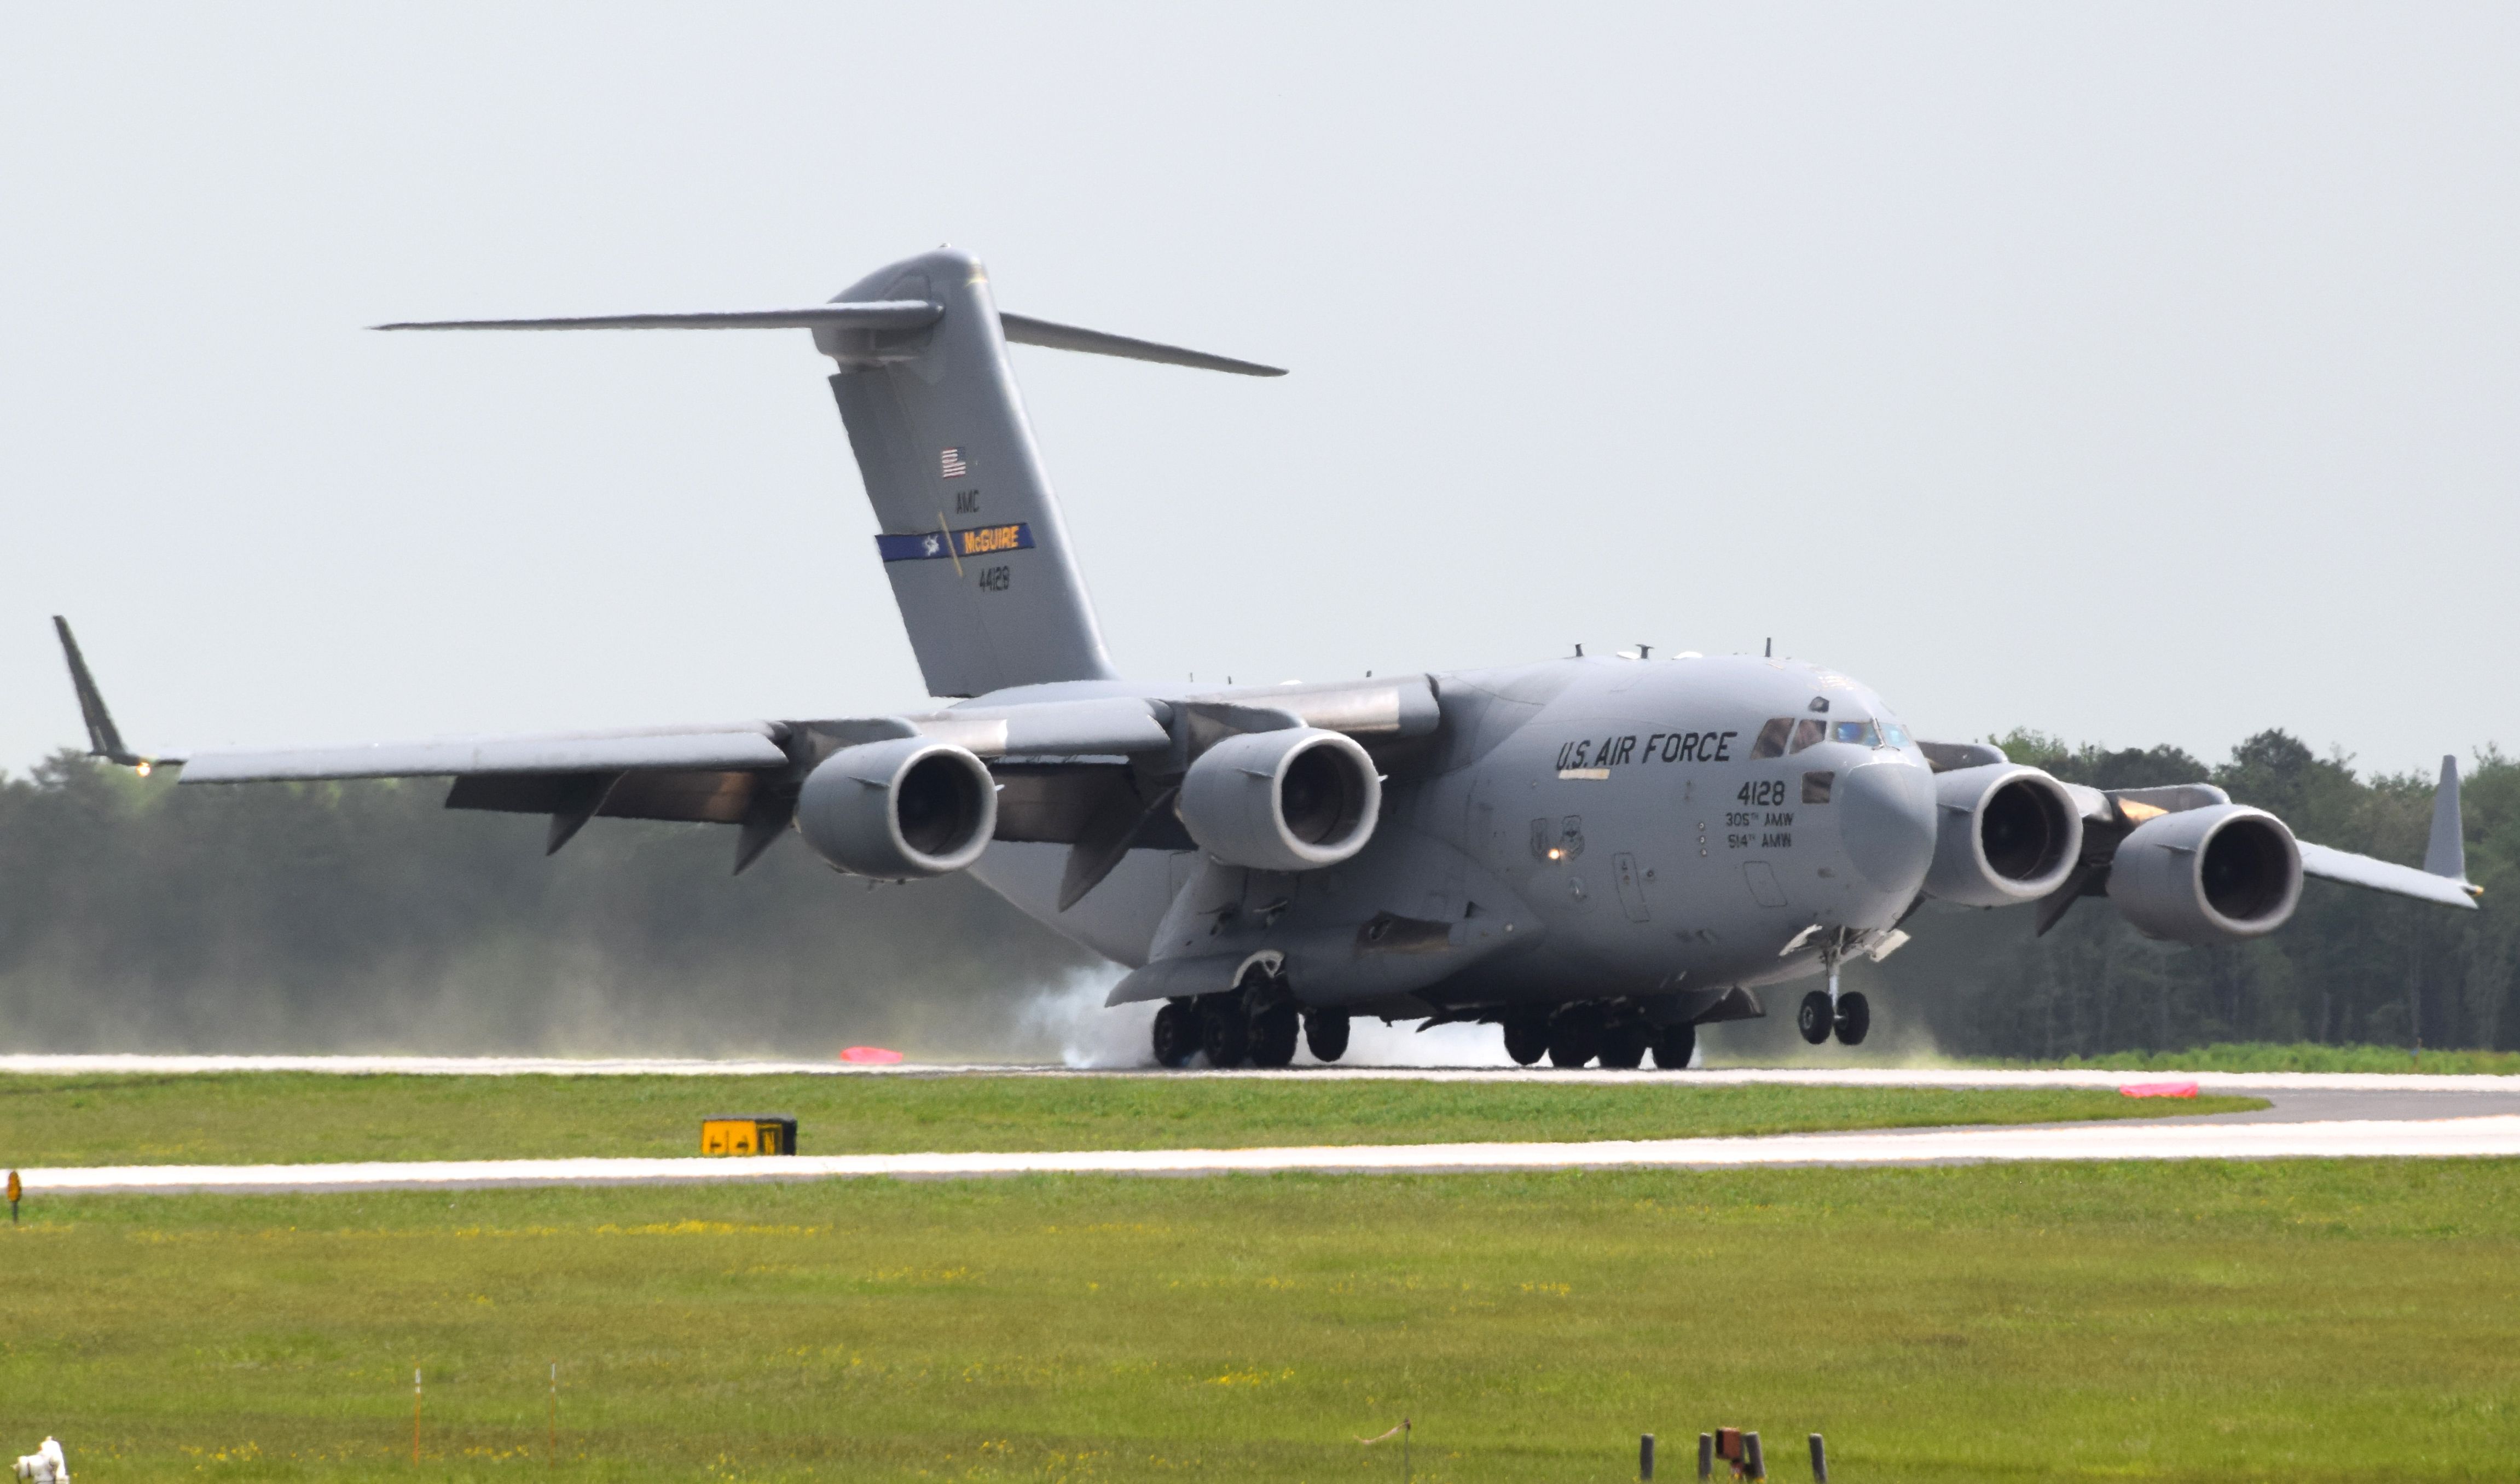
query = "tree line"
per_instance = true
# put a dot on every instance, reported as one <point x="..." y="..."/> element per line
<point x="135" y="914"/>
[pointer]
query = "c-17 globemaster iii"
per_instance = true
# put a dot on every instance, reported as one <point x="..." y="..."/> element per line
<point x="1598" y="853"/>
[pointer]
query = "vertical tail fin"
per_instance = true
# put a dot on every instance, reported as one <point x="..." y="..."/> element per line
<point x="971" y="535"/>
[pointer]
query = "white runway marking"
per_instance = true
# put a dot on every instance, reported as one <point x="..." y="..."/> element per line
<point x="2497" y="1137"/>
<point x="1802" y="1076"/>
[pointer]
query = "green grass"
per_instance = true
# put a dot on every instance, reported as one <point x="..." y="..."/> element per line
<point x="2300" y="1057"/>
<point x="297" y="1117"/>
<point x="2176" y="1322"/>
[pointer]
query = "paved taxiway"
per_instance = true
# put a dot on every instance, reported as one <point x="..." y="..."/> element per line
<point x="2441" y="1137"/>
<point x="2315" y="1115"/>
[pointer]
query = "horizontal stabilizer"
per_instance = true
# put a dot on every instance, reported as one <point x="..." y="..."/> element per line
<point x="880" y="314"/>
<point x="558" y="753"/>
<point x="1025" y="329"/>
<point x="876" y="314"/>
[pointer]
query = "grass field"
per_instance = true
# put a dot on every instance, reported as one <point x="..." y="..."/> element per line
<point x="2190" y="1321"/>
<point x="2300" y="1057"/>
<point x="295" y="1117"/>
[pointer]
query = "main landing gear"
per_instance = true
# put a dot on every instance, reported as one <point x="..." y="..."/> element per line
<point x="1575" y="1034"/>
<point x="1257" y="1022"/>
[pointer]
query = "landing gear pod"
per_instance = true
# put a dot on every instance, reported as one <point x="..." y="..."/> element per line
<point x="2007" y="834"/>
<point x="1292" y="800"/>
<point x="909" y="807"/>
<point x="2219" y="874"/>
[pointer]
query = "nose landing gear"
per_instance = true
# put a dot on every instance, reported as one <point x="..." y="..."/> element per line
<point x="1824" y="1011"/>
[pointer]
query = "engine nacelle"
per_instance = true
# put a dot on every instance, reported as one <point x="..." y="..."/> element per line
<point x="2216" y="874"/>
<point x="1292" y="800"/>
<point x="909" y="807"/>
<point x="2004" y="833"/>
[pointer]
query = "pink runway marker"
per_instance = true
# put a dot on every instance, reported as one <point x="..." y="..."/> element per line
<point x="878" y="1056"/>
<point x="2159" y="1089"/>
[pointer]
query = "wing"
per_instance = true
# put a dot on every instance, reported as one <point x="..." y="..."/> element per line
<point x="741" y="773"/>
<point x="2386" y="876"/>
<point x="1095" y="773"/>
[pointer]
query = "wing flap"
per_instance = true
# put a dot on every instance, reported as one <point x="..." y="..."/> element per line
<point x="696" y="797"/>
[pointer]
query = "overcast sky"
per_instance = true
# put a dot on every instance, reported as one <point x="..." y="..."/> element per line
<point x="2137" y="374"/>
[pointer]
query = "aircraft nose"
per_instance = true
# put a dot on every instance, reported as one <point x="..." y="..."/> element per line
<point x="1886" y="813"/>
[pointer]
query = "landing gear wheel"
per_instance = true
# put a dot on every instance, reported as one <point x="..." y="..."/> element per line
<point x="1623" y="1046"/>
<point x="1815" y="1019"/>
<point x="1526" y="1039"/>
<point x="1273" y="1036"/>
<point x="1224" y="1030"/>
<point x="1176" y="1033"/>
<point x="1673" y="1046"/>
<point x="1326" y="1034"/>
<point x="1574" y="1038"/>
<point x="1854" y="1018"/>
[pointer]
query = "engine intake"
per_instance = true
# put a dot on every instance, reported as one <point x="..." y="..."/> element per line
<point x="2219" y="874"/>
<point x="898" y="809"/>
<point x="2007" y="834"/>
<point x="1292" y="800"/>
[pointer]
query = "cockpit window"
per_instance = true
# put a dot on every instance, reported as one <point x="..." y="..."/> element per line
<point x="1896" y="733"/>
<point x="1794" y="734"/>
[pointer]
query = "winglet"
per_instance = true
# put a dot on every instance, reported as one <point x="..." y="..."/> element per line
<point x="2447" y="855"/>
<point x="103" y="741"/>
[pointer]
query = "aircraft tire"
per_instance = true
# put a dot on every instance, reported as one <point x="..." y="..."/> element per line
<point x="1526" y="1039"/>
<point x="1326" y="1034"/>
<point x="1177" y="1033"/>
<point x="1574" y="1038"/>
<point x="1623" y="1046"/>
<point x="1813" y="1020"/>
<point x="1673" y="1046"/>
<point x="1224" y="1029"/>
<point x="1854" y="1018"/>
<point x="1273" y="1036"/>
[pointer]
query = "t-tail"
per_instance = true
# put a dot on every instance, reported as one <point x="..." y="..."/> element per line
<point x="971" y="533"/>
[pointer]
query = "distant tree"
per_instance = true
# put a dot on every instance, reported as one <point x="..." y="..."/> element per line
<point x="136" y="913"/>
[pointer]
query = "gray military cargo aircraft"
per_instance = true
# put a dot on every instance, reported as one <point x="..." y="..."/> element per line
<point x="1599" y="853"/>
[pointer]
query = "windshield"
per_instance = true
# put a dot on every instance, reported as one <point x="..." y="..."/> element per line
<point x="1794" y="734"/>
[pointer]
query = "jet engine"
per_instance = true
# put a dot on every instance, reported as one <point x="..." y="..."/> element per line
<point x="2007" y="834"/>
<point x="1292" y="801"/>
<point x="908" y="807"/>
<point x="2218" y="875"/>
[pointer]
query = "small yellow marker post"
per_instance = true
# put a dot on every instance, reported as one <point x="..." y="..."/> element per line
<point x="15" y="1190"/>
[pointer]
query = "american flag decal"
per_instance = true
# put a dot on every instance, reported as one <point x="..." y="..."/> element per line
<point x="951" y="464"/>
